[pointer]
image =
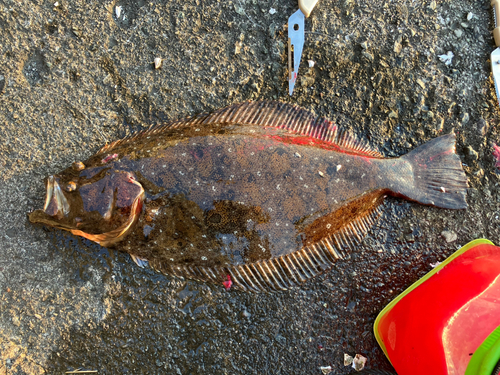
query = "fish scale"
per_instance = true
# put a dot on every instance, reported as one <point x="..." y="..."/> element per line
<point x="265" y="193"/>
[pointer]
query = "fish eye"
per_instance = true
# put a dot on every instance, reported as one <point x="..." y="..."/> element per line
<point x="71" y="186"/>
<point x="78" y="166"/>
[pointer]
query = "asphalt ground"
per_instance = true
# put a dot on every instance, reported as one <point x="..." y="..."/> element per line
<point x="75" y="75"/>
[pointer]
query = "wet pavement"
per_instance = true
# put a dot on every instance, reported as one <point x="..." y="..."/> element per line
<point x="75" y="75"/>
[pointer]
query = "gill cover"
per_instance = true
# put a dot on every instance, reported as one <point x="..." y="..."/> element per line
<point x="102" y="208"/>
<point x="118" y="198"/>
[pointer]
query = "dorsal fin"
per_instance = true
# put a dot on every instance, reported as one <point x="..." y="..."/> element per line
<point x="156" y="129"/>
<point x="286" y="271"/>
<point x="268" y="114"/>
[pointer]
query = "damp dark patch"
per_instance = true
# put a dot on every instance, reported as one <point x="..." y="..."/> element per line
<point x="35" y="69"/>
<point x="74" y="75"/>
<point x="2" y="83"/>
<point x="51" y="27"/>
<point x="125" y="12"/>
<point x="112" y="42"/>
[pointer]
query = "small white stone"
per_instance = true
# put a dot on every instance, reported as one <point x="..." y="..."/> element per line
<point x="347" y="359"/>
<point x="338" y="167"/>
<point x="56" y="4"/>
<point x="118" y="11"/>
<point x="321" y="174"/>
<point x="469" y="16"/>
<point x="449" y="236"/>
<point x="272" y="11"/>
<point x="446" y="58"/>
<point x="359" y="362"/>
<point x="158" y="61"/>
<point x="311" y="63"/>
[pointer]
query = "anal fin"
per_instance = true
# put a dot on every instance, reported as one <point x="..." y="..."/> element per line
<point x="141" y="262"/>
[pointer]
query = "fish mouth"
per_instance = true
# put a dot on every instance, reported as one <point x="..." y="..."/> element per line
<point x="56" y="205"/>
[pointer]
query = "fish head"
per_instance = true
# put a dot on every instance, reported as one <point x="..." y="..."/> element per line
<point x="101" y="204"/>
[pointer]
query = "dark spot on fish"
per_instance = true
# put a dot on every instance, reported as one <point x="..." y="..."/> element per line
<point x="215" y="218"/>
<point x="226" y="160"/>
<point x="331" y="170"/>
<point x="250" y="178"/>
<point x="198" y="153"/>
<point x="222" y="131"/>
<point x="280" y="151"/>
<point x="217" y="174"/>
<point x="230" y="194"/>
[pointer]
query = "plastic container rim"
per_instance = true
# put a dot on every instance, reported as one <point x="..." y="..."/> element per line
<point x="463" y="249"/>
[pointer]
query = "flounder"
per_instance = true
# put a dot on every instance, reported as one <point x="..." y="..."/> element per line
<point x="264" y="194"/>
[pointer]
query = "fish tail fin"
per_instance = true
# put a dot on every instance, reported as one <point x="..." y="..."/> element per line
<point x="438" y="176"/>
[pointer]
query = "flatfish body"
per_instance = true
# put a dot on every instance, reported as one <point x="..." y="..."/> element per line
<point x="264" y="194"/>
